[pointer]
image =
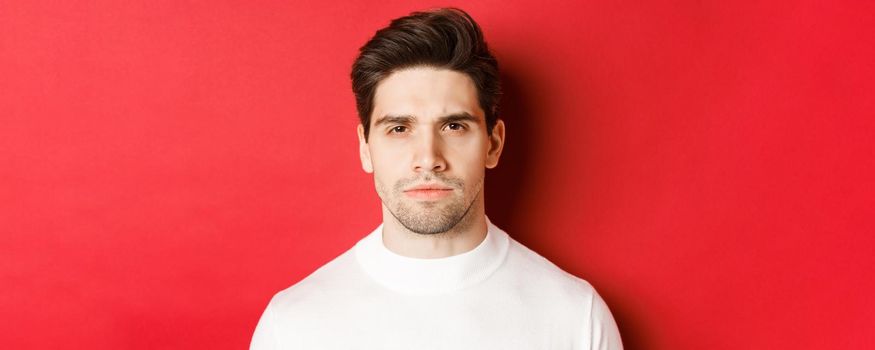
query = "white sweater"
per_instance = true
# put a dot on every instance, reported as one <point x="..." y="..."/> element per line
<point x="499" y="295"/>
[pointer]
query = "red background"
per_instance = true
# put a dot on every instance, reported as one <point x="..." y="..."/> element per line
<point x="165" y="167"/>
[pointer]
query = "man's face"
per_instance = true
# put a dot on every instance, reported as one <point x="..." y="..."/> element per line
<point x="428" y="147"/>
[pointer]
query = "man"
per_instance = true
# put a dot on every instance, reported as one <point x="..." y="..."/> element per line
<point x="436" y="274"/>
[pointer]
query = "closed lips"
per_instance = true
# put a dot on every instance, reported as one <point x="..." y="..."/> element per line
<point x="428" y="188"/>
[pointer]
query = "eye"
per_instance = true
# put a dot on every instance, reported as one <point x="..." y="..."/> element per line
<point x="398" y="129"/>
<point x="456" y="126"/>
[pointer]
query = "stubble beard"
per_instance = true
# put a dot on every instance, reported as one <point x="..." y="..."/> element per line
<point x="429" y="218"/>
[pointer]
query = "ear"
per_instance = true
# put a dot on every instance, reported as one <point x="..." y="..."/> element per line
<point x="364" y="151"/>
<point x="496" y="144"/>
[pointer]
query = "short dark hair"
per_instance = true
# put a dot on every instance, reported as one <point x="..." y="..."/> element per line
<point x="445" y="38"/>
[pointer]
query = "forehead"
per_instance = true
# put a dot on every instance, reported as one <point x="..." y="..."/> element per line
<point x="426" y="93"/>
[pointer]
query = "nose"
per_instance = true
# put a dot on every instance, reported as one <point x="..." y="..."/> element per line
<point x="428" y="155"/>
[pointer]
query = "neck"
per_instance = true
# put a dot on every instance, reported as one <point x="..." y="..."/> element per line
<point x="465" y="236"/>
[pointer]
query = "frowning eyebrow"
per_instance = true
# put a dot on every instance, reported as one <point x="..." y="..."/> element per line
<point x="409" y="119"/>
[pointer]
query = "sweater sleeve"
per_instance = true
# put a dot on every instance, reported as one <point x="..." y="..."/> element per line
<point x="602" y="329"/>
<point x="264" y="337"/>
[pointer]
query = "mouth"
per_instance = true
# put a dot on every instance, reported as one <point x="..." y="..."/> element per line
<point x="428" y="192"/>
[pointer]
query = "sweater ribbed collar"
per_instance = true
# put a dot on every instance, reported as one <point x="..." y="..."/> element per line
<point x="431" y="276"/>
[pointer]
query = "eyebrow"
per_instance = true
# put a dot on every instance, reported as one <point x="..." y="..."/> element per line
<point x="407" y="119"/>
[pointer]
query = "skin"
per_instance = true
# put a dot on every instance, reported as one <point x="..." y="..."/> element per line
<point x="427" y="127"/>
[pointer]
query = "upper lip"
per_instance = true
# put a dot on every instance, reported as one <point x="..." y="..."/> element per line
<point x="431" y="186"/>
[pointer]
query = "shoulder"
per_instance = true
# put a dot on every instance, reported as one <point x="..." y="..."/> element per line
<point x="289" y="307"/>
<point x="304" y="306"/>
<point x="543" y="274"/>
<point x="321" y="286"/>
<point x="565" y="294"/>
<point x="534" y="283"/>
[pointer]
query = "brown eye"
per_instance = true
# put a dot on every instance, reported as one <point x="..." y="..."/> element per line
<point x="455" y="126"/>
<point x="398" y="129"/>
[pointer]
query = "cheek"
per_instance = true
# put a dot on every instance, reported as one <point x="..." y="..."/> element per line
<point x="380" y="187"/>
<point x="386" y="174"/>
<point x="387" y="169"/>
<point x="384" y="160"/>
<point x="472" y="169"/>
<point x="470" y="159"/>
